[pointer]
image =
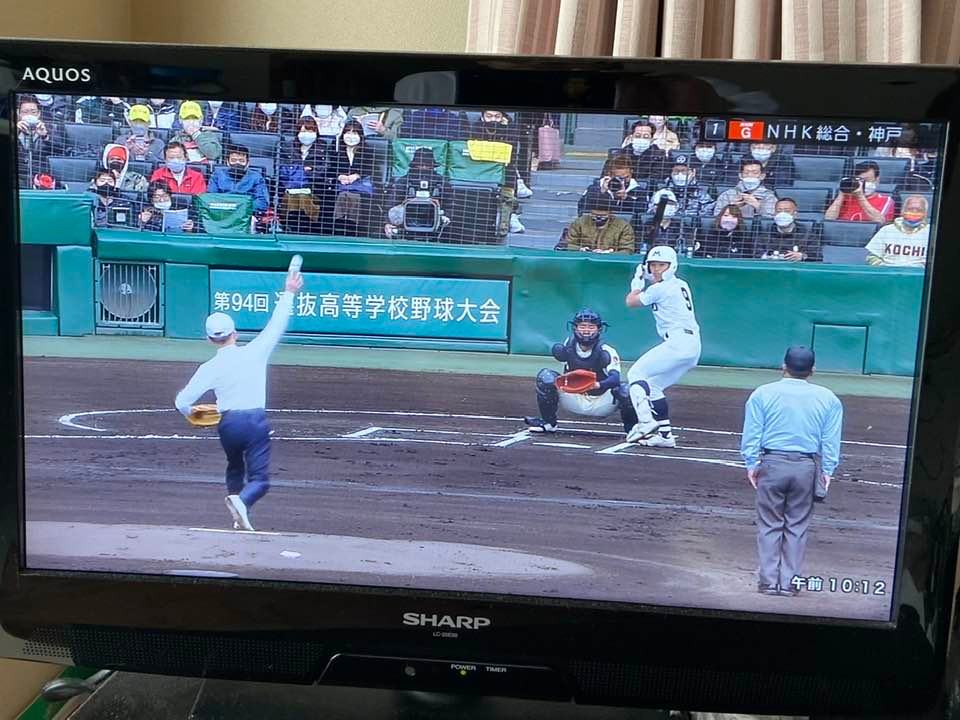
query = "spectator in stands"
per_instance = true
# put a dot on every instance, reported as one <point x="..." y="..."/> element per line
<point x="751" y="195"/>
<point x="116" y="159"/>
<point x="201" y="145"/>
<point x="34" y="141"/>
<point x="141" y="143"/>
<point x="711" y="171"/>
<point x="175" y="173"/>
<point x="382" y="121"/>
<point x="350" y="173"/>
<point x="104" y="189"/>
<point x="164" y="112"/>
<point x="159" y="200"/>
<point x="903" y="242"/>
<point x="728" y="237"/>
<point x="304" y="181"/>
<point x="777" y="169"/>
<point x="222" y="116"/>
<point x="616" y="180"/>
<point x="663" y="137"/>
<point x="55" y="108"/>
<point x="598" y="230"/>
<point x="95" y="110"/>
<point x="264" y="118"/>
<point x="648" y="159"/>
<point x="691" y="197"/>
<point x="421" y="185"/>
<point x="862" y="202"/>
<point x="329" y="119"/>
<point x="786" y="240"/>
<point x="495" y="126"/>
<point x="238" y="177"/>
<point x="669" y="230"/>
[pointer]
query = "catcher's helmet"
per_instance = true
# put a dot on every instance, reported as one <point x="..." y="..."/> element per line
<point x="586" y="315"/>
<point x="665" y="254"/>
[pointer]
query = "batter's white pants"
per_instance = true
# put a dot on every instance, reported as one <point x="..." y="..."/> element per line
<point x="589" y="405"/>
<point x="660" y="367"/>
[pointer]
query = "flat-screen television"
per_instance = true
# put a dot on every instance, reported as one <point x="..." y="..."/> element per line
<point x="615" y="380"/>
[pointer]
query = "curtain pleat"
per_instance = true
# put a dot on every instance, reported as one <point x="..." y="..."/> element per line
<point x="876" y="31"/>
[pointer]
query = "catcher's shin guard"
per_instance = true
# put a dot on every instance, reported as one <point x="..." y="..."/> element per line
<point x="627" y="414"/>
<point x="548" y="397"/>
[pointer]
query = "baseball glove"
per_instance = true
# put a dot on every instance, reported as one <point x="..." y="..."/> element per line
<point x="205" y="415"/>
<point x="576" y="381"/>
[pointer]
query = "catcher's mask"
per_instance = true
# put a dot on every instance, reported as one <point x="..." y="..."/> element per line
<point x="664" y="254"/>
<point x="587" y="316"/>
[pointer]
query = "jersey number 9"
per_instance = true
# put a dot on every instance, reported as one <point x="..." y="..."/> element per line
<point x="686" y="296"/>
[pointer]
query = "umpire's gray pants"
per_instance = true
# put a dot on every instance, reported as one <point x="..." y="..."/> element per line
<point x="784" y="506"/>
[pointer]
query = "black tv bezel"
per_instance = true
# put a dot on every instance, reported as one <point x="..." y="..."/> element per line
<point x="907" y="653"/>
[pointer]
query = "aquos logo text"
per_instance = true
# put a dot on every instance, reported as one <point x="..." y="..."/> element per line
<point x="458" y="622"/>
<point x="57" y="74"/>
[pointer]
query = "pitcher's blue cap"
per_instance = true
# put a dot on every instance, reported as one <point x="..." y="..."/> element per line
<point x="799" y="359"/>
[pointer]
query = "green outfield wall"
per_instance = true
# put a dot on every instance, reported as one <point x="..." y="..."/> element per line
<point x="858" y="319"/>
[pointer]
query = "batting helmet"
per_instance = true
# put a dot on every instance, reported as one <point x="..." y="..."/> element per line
<point x="586" y="315"/>
<point x="664" y="254"/>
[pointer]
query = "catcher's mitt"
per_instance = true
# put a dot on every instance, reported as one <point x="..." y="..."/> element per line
<point x="576" y="381"/>
<point x="204" y="415"/>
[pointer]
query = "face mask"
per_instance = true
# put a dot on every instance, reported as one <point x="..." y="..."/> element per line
<point x="680" y="179"/>
<point x="601" y="220"/>
<point x="705" y="154"/>
<point x="215" y="104"/>
<point x="268" y="108"/>
<point x="191" y="126"/>
<point x="669" y="210"/>
<point x="306" y="137"/>
<point x="869" y="188"/>
<point x="351" y="139"/>
<point x="116" y="165"/>
<point x="750" y="183"/>
<point x="913" y="218"/>
<point x="238" y="169"/>
<point x="44" y="99"/>
<point x="105" y="189"/>
<point x="729" y="223"/>
<point x="641" y="144"/>
<point x="139" y="130"/>
<point x="761" y="155"/>
<point x="163" y="204"/>
<point x="176" y="166"/>
<point x="783" y="219"/>
<point x="31" y="120"/>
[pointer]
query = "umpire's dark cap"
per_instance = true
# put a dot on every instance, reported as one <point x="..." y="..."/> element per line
<point x="799" y="359"/>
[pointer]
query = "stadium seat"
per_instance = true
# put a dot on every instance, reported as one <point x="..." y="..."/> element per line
<point x="264" y="164"/>
<point x="892" y="169"/>
<point x="841" y="255"/>
<point x="818" y="167"/>
<point x="830" y="185"/>
<point x="473" y="209"/>
<point x="848" y="234"/>
<point x="809" y="200"/>
<point x="144" y="167"/>
<point x="203" y="167"/>
<point x="132" y="196"/>
<point x="259" y="144"/>
<point x="71" y="169"/>
<point x="86" y="139"/>
<point x="381" y="154"/>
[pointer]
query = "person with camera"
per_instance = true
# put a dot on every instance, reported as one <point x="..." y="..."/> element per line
<point x="618" y="182"/>
<point x="750" y="194"/>
<point x="33" y="139"/>
<point x="415" y="200"/>
<point x="858" y="199"/>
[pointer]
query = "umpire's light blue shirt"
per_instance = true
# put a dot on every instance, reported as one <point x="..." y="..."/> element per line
<point x="793" y="415"/>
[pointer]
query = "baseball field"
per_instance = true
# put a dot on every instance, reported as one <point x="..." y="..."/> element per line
<point x="414" y="469"/>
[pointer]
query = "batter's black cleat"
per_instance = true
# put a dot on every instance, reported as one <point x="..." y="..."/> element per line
<point x="539" y="425"/>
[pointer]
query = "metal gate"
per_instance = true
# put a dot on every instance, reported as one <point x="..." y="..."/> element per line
<point x="129" y="298"/>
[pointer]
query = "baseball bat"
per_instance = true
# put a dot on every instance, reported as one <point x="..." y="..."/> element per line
<point x="296" y="262"/>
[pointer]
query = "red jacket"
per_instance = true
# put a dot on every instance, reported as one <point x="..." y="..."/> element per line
<point x="193" y="182"/>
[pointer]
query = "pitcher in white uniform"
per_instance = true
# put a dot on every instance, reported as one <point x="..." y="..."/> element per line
<point x="657" y="286"/>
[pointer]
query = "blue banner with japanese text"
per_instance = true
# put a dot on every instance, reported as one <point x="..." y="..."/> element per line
<point x="380" y="305"/>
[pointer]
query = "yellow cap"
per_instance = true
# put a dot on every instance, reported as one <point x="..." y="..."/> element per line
<point x="140" y="112"/>
<point x="191" y="109"/>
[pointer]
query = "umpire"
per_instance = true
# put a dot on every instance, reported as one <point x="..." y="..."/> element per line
<point x="791" y="447"/>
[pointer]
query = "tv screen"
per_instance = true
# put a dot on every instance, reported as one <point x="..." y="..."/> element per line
<point x="403" y="426"/>
<point x="528" y="361"/>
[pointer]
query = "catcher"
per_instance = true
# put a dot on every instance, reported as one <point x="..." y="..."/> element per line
<point x="590" y="384"/>
<point x="238" y="377"/>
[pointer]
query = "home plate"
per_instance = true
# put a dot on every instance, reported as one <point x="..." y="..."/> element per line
<point x="58" y="544"/>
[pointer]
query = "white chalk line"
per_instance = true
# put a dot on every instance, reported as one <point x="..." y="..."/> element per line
<point x="235" y="532"/>
<point x="69" y="421"/>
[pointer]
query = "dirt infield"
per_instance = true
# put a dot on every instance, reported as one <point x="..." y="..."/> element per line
<point x="373" y="471"/>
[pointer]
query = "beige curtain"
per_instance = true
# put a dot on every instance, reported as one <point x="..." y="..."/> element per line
<point x="876" y="31"/>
